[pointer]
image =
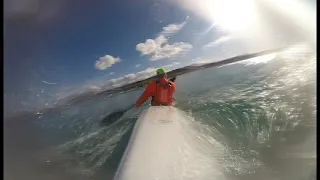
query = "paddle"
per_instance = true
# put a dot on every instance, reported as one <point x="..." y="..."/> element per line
<point x="113" y="117"/>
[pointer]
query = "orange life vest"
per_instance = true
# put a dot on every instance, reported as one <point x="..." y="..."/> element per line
<point x="163" y="95"/>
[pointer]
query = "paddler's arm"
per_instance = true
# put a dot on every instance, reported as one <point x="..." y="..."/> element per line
<point x="145" y="96"/>
<point x="174" y="86"/>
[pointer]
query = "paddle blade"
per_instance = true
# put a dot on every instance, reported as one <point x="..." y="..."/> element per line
<point x="113" y="117"/>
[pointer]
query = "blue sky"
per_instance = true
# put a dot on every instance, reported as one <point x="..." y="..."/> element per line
<point x="51" y="49"/>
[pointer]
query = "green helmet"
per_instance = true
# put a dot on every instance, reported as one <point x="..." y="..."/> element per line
<point x="161" y="71"/>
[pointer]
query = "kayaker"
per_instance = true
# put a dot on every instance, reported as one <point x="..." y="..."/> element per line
<point x="161" y="91"/>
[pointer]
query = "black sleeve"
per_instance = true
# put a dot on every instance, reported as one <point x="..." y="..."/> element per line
<point x="173" y="79"/>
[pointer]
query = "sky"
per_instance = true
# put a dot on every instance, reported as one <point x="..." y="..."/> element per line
<point x="54" y="49"/>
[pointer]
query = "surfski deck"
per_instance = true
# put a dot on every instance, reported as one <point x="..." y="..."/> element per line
<point x="163" y="146"/>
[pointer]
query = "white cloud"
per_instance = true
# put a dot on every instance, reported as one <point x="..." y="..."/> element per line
<point x="166" y="66"/>
<point x="200" y="62"/>
<point x="130" y="78"/>
<point x="111" y="73"/>
<point x="196" y="59"/>
<point x="106" y="62"/>
<point x="218" y="41"/>
<point x="150" y="46"/>
<point x="170" y="67"/>
<point x="171" y="50"/>
<point x="93" y="88"/>
<point x="138" y="65"/>
<point x="172" y="28"/>
<point x="222" y="39"/>
<point x="159" y="49"/>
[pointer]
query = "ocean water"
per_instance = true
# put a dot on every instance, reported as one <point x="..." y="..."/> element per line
<point x="262" y="110"/>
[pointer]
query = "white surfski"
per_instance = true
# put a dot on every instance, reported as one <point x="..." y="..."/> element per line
<point x="165" y="145"/>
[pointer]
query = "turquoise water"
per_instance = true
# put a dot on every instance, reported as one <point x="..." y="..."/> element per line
<point x="263" y="111"/>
